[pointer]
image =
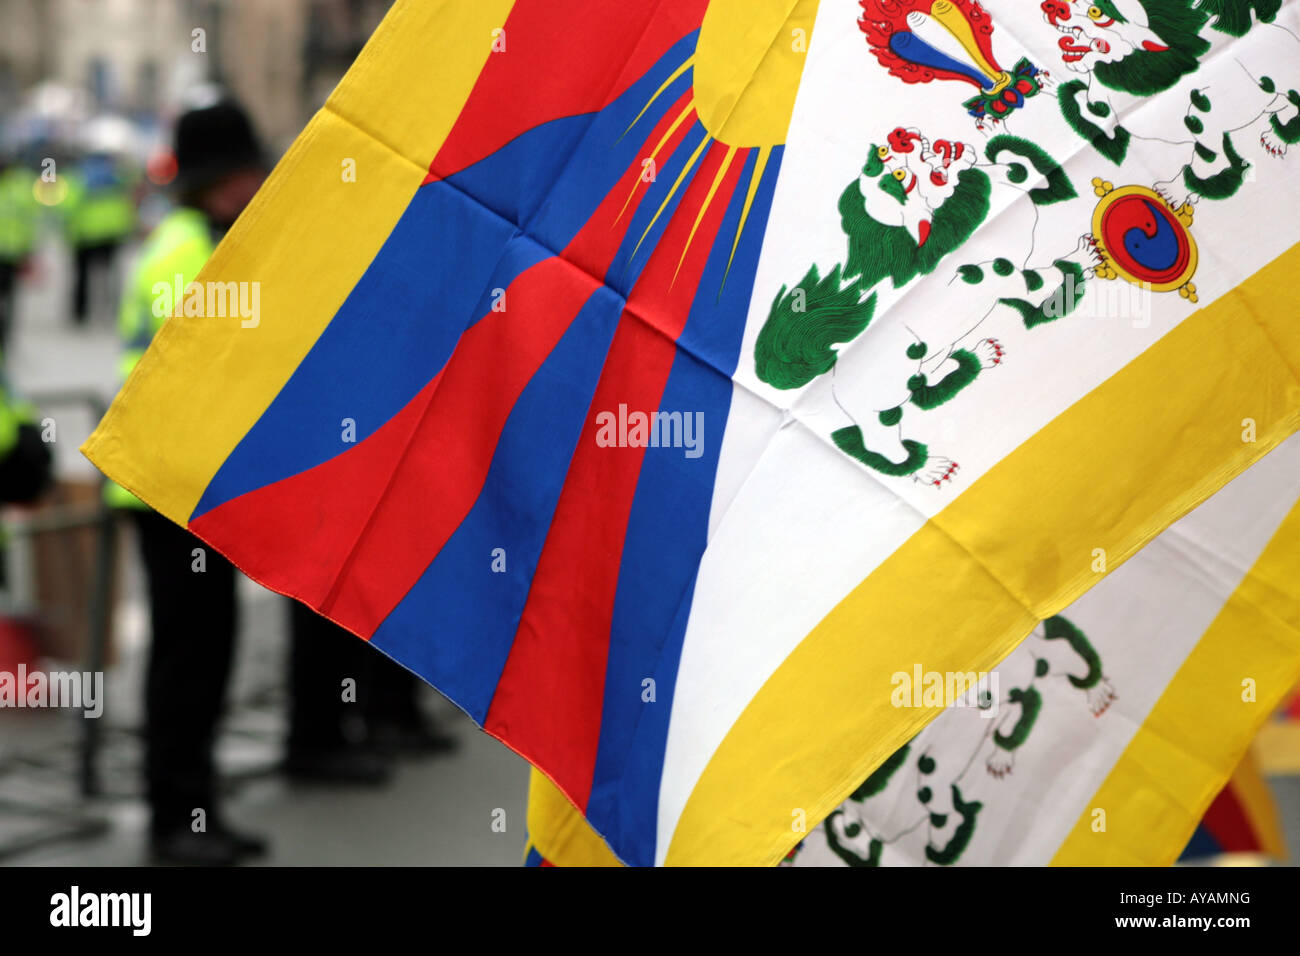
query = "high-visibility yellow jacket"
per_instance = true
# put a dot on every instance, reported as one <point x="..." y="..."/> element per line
<point x="19" y="213"/>
<point x="99" y="211"/>
<point x="172" y="256"/>
<point x="13" y="413"/>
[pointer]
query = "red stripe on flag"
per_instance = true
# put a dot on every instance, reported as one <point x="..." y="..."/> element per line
<point x="593" y="249"/>
<point x="560" y="60"/>
<point x="442" y="472"/>
<point x="304" y="527"/>
<point x="295" y="534"/>
<point x="1227" y="822"/>
<point x="548" y="702"/>
<point x="405" y="535"/>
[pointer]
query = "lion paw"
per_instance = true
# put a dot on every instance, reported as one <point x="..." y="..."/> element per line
<point x="1000" y="763"/>
<point x="1087" y="254"/>
<point x="990" y="352"/>
<point x="936" y="471"/>
<point x="1175" y="198"/>
<point x="1100" y="697"/>
<point x="1272" y="145"/>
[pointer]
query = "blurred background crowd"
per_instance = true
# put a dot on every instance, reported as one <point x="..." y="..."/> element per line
<point x="94" y="186"/>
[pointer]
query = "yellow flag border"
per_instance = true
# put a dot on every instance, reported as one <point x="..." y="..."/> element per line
<point x="1200" y="727"/>
<point x="1111" y="472"/>
<point x="389" y="116"/>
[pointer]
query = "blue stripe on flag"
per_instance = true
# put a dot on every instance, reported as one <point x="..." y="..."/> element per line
<point x="434" y="273"/>
<point x="609" y="148"/>
<point x="391" y="336"/>
<point x="625" y="269"/>
<point x="459" y="593"/>
<point x="666" y="536"/>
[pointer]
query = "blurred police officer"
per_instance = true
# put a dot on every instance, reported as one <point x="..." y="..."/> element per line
<point x="19" y="217"/>
<point x="192" y="607"/>
<point x="25" y="460"/>
<point x="98" y="217"/>
<point x="193" y="615"/>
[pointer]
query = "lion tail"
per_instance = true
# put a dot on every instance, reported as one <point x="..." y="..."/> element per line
<point x="1058" y="187"/>
<point x="796" y="343"/>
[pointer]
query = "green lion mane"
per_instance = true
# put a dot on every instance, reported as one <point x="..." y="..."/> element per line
<point x="1233" y="16"/>
<point x="877" y="251"/>
<point x="797" y="342"/>
<point x="1178" y="23"/>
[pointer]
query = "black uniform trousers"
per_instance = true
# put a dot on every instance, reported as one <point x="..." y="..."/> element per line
<point x="193" y="620"/>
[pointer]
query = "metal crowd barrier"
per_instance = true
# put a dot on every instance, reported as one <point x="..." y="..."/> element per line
<point x="75" y="820"/>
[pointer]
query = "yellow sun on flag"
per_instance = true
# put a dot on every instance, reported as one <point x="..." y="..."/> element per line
<point x="746" y="70"/>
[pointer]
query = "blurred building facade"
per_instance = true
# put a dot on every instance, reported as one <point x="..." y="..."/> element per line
<point x="141" y="57"/>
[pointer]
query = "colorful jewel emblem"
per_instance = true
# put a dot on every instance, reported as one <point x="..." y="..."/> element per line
<point x="923" y="40"/>
<point x="1144" y="240"/>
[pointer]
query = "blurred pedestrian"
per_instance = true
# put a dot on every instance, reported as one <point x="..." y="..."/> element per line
<point x="193" y="616"/>
<point x="99" y="216"/>
<point x="192" y="607"/>
<point x="25" y="460"/>
<point x="19" y="217"/>
<point x="395" y="723"/>
<point x="348" y="737"/>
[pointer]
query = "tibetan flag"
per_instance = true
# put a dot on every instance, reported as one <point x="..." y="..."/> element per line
<point x="1105" y="736"/>
<point x="1242" y="820"/>
<point x="1117" y="721"/>
<point x="657" y="380"/>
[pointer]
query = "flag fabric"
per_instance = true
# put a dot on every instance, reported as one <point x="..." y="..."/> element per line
<point x="1242" y="819"/>
<point x="1102" y="739"/>
<point x="1088" y="759"/>
<point x="656" y="380"/>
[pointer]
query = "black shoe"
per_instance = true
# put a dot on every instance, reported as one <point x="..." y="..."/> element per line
<point x="249" y="845"/>
<point x="184" y="847"/>
<point x="346" y="765"/>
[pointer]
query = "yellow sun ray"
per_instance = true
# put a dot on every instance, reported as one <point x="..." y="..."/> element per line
<point x="654" y="154"/>
<point x="755" y="178"/>
<point x="667" y="83"/>
<point x="744" y="81"/>
<point x="704" y="206"/>
<point x="690" y="164"/>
